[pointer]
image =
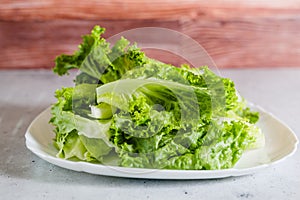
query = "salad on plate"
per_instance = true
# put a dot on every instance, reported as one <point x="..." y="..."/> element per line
<point x="143" y="113"/>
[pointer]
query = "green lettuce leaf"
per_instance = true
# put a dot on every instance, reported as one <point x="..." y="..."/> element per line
<point x="147" y="113"/>
<point x="97" y="62"/>
<point x="64" y="63"/>
<point x="77" y="136"/>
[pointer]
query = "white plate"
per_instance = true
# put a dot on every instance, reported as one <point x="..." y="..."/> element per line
<point x="281" y="143"/>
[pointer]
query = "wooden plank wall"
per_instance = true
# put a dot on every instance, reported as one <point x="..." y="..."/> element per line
<point x="235" y="33"/>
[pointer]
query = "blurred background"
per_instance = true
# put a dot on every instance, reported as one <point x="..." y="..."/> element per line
<point x="236" y="34"/>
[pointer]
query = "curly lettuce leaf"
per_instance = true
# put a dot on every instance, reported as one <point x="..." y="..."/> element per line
<point x="97" y="62"/>
<point x="76" y="136"/>
<point x="64" y="63"/>
<point x="148" y="135"/>
<point x="188" y="102"/>
<point x="150" y="114"/>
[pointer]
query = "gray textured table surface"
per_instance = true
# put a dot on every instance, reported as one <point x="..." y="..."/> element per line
<point x="23" y="94"/>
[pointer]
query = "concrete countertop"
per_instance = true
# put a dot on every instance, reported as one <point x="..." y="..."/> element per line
<point x="24" y="94"/>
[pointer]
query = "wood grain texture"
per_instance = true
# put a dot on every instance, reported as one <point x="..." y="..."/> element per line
<point x="248" y="43"/>
<point x="235" y="33"/>
<point x="20" y="10"/>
